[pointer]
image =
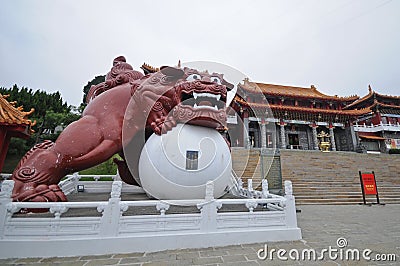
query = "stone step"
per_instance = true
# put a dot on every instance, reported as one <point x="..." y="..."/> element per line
<point x="339" y="188"/>
<point x="323" y="184"/>
<point x="345" y="201"/>
<point x="336" y="190"/>
<point x="337" y="196"/>
<point x="343" y="196"/>
<point x="338" y="181"/>
<point x="326" y="178"/>
<point x="350" y="186"/>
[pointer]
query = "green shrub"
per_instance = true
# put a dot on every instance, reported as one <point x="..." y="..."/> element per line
<point x="106" y="168"/>
<point x="394" y="151"/>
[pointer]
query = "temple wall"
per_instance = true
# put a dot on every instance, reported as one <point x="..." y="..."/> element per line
<point x="343" y="139"/>
<point x="274" y="173"/>
<point x="303" y="139"/>
<point x="310" y="139"/>
<point x="334" y="164"/>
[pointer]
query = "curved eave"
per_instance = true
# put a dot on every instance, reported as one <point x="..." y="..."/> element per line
<point x="387" y="96"/>
<point x="311" y="94"/>
<point x="372" y="94"/>
<point x="12" y="116"/>
<point x="304" y="109"/>
<point x="361" y="100"/>
<point x="322" y="111"/>
<point x="377" y="104"/>
<point x="386" y="105"/>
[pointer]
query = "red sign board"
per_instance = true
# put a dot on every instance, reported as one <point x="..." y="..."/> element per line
<point x="368" y="181"/>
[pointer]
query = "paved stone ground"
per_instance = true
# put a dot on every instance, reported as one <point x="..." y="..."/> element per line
<point x="364" y="227"/>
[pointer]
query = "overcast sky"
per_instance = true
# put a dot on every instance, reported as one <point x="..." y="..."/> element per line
<point x="339" y="46"/>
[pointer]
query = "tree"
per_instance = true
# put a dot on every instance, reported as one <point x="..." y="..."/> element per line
<point x="50" y="111"/>
<point x="95" y="81"/>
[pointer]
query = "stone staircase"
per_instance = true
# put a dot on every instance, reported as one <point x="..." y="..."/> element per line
<point x="246" y="164"/>
<point x="341" y="192"/>
<point x="326" y="178"/>
<point x="332" y="178"/>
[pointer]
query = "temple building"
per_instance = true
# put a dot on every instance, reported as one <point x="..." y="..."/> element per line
<point x="288" y="117"/>
<point x="379" y="129"/>
<point x="13" y="123"/>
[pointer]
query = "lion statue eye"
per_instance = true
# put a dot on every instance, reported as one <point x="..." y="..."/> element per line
<point x="216" y="80"/>
<point x="193" y="77"/>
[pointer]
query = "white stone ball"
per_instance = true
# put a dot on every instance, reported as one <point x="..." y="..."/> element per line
<point x="178" y="164"/>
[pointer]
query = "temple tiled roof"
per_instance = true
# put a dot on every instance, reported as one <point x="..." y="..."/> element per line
<point x="291" y="91"/>
<point x="304" y="109"/>
<point x="371" y="94"/>
<point x="11" y="115"/>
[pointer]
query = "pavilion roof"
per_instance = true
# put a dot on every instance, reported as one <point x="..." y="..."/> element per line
<point x="11" y="115"/>
<point x="303" y="109"/>
<point x="372" y="95"/>
<point x="291" y="91"/>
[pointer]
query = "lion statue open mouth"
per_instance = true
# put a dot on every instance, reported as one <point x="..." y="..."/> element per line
<point x="126" y="105"/>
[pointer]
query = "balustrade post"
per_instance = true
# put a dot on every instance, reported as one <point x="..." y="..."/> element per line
<point x="76" y="178"/>
<point x="117" y="177"/>
<point x="240" y="183"/>
<point x="290" y="208"/>
<point x="265" y="191"/>
<point x="5" y="199"/>
<point x="209" y="209"/>
<point x="250" y="188"/>
<point x="111" y="212"/>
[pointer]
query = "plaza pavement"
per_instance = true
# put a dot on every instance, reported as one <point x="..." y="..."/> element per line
<point x="374" y="227"/>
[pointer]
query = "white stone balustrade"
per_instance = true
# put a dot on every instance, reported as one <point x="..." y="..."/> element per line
<point x="70" y="183"/>
<point x="377" y="128"/>
<point x="115" y="232"/>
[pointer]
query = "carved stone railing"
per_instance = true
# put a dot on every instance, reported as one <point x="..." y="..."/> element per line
<point x="377" y="128"/>
<point x="89" y="183"/>
<point x="70" y="184"/>
<point x="116" y="230"/>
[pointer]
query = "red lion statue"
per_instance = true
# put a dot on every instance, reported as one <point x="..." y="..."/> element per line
<point x="122" y="112"/>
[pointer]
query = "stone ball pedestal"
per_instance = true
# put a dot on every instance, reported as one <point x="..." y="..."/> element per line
<point x="178" y="164"/>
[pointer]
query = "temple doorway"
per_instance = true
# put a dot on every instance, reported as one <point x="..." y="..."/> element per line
<point x="254" y="135"/>
<point x="294" y="141"/>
